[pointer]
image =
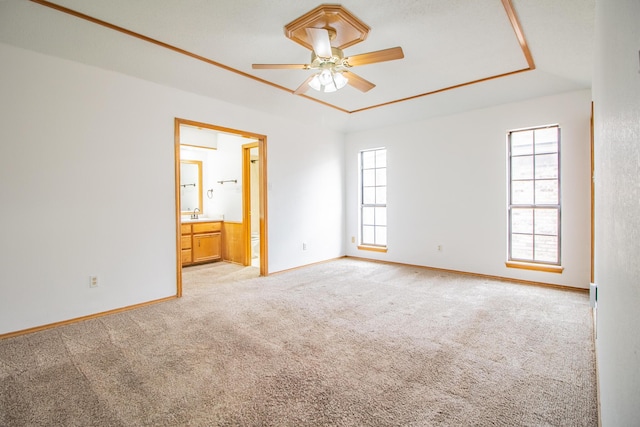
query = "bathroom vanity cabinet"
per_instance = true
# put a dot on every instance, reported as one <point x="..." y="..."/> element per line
<point x="201" y="242"/>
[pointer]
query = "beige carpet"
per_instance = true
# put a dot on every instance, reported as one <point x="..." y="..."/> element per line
<point x="344" y="343"/>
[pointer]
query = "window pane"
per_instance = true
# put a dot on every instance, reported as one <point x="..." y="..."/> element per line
<point x="381" y="176"/>
<point x="368" y="235"/>
<point x="369" y="195"/>
<point x="381" y="236"/>
<point x="546" y="140"/>
<point x="373" y="214"/>
<point x="547" y="222"/>
<point x="534" y="204"/>
<point x="368" y="216"/>
<point x="369" y="177"/>
<point x="522" y="220"/>
<point x="368" y="159"/>
<point x="547" y="166"/>
<point x="522" y="246"/>
<point x="522" y="192"/>
<point x="521" y="143"/>
<point x="381" y="216"/>
<point x="547" y="192"/>
<point x="546" y="249"/>
<point x="522" y="167"/>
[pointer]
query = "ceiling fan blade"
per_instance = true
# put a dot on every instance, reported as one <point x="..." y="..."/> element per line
<point x="280" y="66"/>
<point x="320" y="41"/>
<point x="304" y="86"/>
<point x="358" y="82"/>
<point x="377" y="56"/>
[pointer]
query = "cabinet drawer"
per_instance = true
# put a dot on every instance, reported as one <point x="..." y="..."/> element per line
<point x="206" y="227"/>
<point x="185" y="242"/>
<point x="185" y="228"/>
<point x="186" y="256"/>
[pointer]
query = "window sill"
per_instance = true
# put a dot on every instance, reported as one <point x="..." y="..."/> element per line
<point x="372" y="248"/>
<point x="536" y="267"/>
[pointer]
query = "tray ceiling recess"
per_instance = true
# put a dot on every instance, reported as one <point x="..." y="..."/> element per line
<point x="404" y="80"/>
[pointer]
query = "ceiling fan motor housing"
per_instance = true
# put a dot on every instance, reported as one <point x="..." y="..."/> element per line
<point x="336" y="59"/>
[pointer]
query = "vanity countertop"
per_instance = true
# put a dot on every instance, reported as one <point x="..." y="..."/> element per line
<point x="201" y="219"/>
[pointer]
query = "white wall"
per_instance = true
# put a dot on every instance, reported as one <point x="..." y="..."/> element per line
<point x="222" y="164"/>
<point x="198" y="137"/>
<point x="447" y="186"/>
<point x="87" y="187"/>
<point x="616" y="89"/>
<point x="230" y="169"/>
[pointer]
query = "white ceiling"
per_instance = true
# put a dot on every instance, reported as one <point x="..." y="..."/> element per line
<point x="446" y="43"/>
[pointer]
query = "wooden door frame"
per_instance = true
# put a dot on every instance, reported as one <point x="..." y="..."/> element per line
<point x="262" y="172"/>
<point x="593" y="198"/>
<point x="246" y="198"/>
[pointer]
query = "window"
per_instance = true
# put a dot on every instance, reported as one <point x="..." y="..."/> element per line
<point x="534" y="196"/>
<point x="373" y="199"/>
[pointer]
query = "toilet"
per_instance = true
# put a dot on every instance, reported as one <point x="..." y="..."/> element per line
<point x="255" y="245"/>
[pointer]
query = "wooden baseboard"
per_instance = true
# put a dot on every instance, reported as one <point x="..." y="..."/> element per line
<point x="83" y="318"/>
<point x="594" y="313"/>
<point x="485" y="276"/>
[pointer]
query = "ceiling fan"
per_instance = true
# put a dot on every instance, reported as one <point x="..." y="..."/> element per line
<point x="332" y="70"/>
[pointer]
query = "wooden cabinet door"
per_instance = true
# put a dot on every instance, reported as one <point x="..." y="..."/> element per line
<point x="206" y="247"/>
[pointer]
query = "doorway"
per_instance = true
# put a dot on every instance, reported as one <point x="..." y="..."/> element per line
<point x="244" y="222"/>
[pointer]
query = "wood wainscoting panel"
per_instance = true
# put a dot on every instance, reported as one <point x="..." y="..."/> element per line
<point x="233" y="243"/>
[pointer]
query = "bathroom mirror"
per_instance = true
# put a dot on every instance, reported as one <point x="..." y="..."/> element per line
<point x="190" y="187"/>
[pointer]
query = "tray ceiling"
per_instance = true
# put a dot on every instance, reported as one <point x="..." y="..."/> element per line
<point x="448" y="46"/>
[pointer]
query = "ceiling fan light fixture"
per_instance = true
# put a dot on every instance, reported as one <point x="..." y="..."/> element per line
<point x="340" y="80"/>
<point x="328" y="80"/>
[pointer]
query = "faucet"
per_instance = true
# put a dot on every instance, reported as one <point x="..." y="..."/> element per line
<point x="195" y="213"/>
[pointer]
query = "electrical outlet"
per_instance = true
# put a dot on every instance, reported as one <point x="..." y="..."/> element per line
<point x="440" y="248"/>
<point x="93" y="281"/>
<point x="304" y="246"/>
<point x="353" y="239"/>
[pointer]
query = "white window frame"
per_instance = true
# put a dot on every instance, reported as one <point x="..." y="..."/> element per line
<point x="379" y="206"/>
<point x="536" y="207"/>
